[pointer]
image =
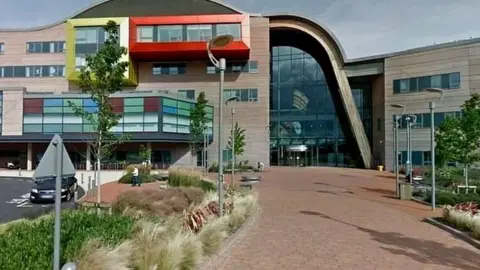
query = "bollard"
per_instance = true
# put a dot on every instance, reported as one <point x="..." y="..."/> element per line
<point x="69" y="266"/>
<point x="75" y="196"/>
<point x="81" y="178"/>
<point x="19" y="171"/>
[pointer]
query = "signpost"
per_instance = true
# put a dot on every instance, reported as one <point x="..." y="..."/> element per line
<point x="55" y="163"/>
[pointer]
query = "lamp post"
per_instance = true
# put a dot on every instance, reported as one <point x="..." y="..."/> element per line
<point x="396" y="118"/>
<point x="218" y="42"/>
<point x="432" y="140"/>
<point x="410" y="119"/>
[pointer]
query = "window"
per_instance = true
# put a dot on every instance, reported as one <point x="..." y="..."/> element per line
<point x="2" y="48"/>
<point x="46" y="47"/>
<point x="199" y="32"/>
<point x="229" y="29"/>
<point x="190" y="94"/>
<point x="170" y="33"/>
<point x="426" y="156"/>
<point x="444" y="81"/>
<point x="168" y="69"/>
<point x="235" y="67"/>
<point x="244" y="95"/>
<point x="145" y="34"/>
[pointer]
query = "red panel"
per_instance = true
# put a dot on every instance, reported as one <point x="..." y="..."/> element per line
<point x="193" y="51"/>
<point x="117" y="104"/>
<point x="188" y="19"/>
<point x="33" y="105"/>
<point x="150" y="104"/>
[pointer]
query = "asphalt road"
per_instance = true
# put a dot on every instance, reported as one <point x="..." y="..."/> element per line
<point x="14" y="203"/>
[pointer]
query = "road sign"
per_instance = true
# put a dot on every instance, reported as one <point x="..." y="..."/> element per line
<point x="47" y="166"/>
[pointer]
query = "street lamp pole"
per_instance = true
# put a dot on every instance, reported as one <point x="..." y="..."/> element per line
<point x="218" y="42"/>
<point x="409" y="161"/>
<point x="432" y="142"/>
<point x="397" y="118"/>
<point x="233" y="146"/>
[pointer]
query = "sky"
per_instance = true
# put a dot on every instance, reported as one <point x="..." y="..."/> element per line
<point x="364" y="27"/>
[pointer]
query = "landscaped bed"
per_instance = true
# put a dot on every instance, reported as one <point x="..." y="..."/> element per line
<point x="173" y="228"/>
<point x="464" y="217"/>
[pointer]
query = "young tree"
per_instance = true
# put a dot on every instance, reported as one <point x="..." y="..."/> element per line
<point x="458" y="139"/>
<point x="198" y="124"/>
<point x="145" y="153"/>
<point x="102" y="76"/>
<point x="239" y="140"/>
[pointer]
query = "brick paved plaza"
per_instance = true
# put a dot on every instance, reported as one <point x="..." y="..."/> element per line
<point x="332" y="218"/>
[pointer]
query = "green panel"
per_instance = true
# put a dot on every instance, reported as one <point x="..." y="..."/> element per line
<point x="68" y="110"/>
<point x="76" y="101"/>
<point x="133" y="102"/>
<point x="183" y="112"/>
<point x="169" y="102"/>
<point x="209" y="109"/>
<point x="133" y="109"/>
<point x="169" y="128"/>
<point x="52" y="128"/>
<point x="32" y="128"/>
<point x="184" y="105"/>
<point x="209" y="116"/>
<point x="53" y="109"/>
<point x="72" y="128"/>
<point x="87" y="128"/>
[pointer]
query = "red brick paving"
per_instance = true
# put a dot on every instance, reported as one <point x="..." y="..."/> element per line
<point x="109" y="192"/>
<point x="331" y="218"/>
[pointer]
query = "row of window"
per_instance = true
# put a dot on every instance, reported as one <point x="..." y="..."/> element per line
<point x="181" y="68"/>
<point x="419" y="158"/>
<point x="2" y="48"/>
<point x="32" y="71"/>
<point x="46" y="47"/>
<point x="418" y="84"/>
<point x="244" y="95"/>
<point x="178" y="33"/>
<point x="424" y="119"/>
<point x="242" y="67"/>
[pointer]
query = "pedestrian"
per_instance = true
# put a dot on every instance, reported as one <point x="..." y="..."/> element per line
<point x="135" y="180"/>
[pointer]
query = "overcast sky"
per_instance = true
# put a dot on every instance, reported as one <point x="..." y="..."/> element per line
<point x="364" y="27"/>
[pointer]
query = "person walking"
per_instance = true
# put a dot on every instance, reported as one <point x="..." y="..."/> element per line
<point x="135" y="180"/>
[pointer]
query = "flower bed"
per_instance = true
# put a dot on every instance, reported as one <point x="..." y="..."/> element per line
<point x="464" y="217"/>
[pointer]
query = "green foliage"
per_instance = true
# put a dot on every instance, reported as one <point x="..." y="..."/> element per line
<point x="457" y="139"/>
<point x="239" y="140"/>
<point x="179" y="178"/>
<point x="198" y="124"/>
<point x="144" y="178"/>
<point x="449" y="198"/>
<point x="213" y="167"/>
<point x="102" y="76"/>
<point x="142" y="169"/>
<point x="145" y="153"/>
<point x="29" y="245"/>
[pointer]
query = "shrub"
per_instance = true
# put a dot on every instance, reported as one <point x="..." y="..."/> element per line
<point x="144" y="178"/>
<point x="142" y="169"/>
<point x="189" y="178"/>
<point x="95" y="256"/>
<point x="29" y="245"/>
<point x="213" y="167"/>
<point x="158" y="202"/>
<point x="449" y="198"/>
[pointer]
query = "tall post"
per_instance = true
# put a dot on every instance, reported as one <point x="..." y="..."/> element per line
<point x="233" y="146"/>
<point x="432" y="151"/>
<point x="395" y="147"/>
<point x="408" y="170"/>
<point x="222" y="66"/>
<point x="205" y="138"/>
<point x="58" y="201"/>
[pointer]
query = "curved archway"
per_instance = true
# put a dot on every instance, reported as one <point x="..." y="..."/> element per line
<point x="295" y="32"/>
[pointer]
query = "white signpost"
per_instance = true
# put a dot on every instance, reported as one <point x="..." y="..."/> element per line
<point x="55" y="163"/>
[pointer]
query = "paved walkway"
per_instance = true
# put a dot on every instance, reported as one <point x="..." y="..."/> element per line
<point x="331" y="218"/>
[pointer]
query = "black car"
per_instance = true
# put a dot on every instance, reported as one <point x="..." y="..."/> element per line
<point x="44" y="190"/>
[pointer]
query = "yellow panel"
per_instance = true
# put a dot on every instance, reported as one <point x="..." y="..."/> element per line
<point x="71" y="73"/>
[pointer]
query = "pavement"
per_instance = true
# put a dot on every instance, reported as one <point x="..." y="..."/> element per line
<point x="336" y="218"/>
<point x="14" y="200"/>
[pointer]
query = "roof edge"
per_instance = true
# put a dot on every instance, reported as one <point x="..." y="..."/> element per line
<point x="319" y="25"/>
<point x="39" y="28"/>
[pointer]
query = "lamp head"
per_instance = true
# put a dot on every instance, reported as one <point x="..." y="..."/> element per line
<point x="234" y="98"/>
<point x="434" y="90"/>
<point x="220" y="41"/>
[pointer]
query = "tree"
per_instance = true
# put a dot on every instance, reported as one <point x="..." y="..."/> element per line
<point x="198" y="124"/>
<point x="145" y="153"/>
<point x="458" y="139"/>
<point x="239" y="140"/>
<point x="102" y="76"/>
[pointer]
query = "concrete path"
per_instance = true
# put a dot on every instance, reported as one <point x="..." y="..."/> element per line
<point x="332" y="218"/>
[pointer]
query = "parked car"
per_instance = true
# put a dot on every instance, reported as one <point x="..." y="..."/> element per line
<point x="44" y="190"/>
<point x="12" y="165"/>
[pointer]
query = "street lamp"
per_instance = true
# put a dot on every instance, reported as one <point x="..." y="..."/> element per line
<point x="396" y="118"/>
<point x="218" y="42"/>
<point x="432" y="139"/>
<point x="235" y="98"/>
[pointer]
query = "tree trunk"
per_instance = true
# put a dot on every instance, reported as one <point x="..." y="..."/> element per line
<point x="99" y="166"/>
<point x="466" y="178"/>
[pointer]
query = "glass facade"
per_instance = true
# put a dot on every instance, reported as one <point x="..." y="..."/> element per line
<point x="193" y="32"/>
<point x="305" y="129"/>
<point x="138" y="114"/>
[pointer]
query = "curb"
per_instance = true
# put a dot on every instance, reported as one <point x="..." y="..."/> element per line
<point x="458" y="234"/>
<point x="214" y="261"/>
